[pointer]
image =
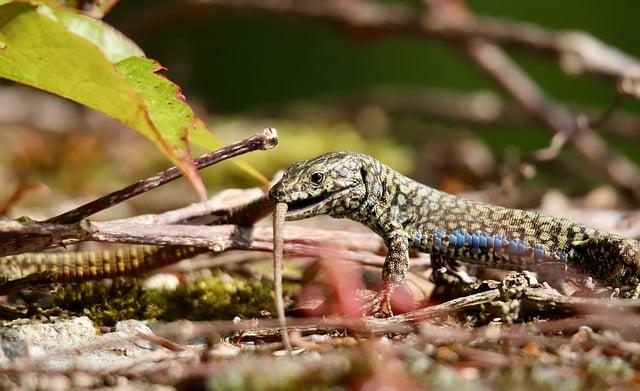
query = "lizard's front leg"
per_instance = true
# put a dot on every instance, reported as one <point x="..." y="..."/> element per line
<point x="394" y="272"/>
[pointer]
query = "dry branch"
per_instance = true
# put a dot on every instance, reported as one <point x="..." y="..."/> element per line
<point x="266" y="139"/>
<point x="165" y="229"/>
<point x="622" y="171"/>
<point x="577" y="52"/>
<point x="482" y="108"/>
<point x="527" y="297"/>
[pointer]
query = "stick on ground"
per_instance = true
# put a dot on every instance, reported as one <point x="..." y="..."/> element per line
<point x="278" y="250"/>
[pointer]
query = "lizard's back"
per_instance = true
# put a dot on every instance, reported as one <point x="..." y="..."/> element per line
<point x="495" y="236"/>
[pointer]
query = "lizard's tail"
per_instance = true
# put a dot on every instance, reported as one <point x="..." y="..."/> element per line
<point x="625" y="261"/>
<point x="80" y="266"/>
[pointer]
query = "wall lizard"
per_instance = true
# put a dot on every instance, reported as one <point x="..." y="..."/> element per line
<point x="407" y="214"/>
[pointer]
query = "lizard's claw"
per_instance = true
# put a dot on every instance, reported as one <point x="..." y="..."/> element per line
<point x="376" y="304"/>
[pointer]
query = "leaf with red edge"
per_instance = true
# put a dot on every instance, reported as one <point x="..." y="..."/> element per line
<point x="165" y="105"/>
<point x="87" y="61"/>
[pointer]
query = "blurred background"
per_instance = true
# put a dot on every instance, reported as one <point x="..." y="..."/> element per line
<point x="421" y="105"/>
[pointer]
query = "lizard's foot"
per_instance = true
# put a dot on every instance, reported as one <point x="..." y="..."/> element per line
<point x="630" y="292"/>
<point x="461" y="275"/>
<point x="376" y="304"/>
<point x="444" y="269"/>
<point x="635" y="293"/>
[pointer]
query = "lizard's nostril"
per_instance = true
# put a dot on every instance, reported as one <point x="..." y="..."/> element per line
<point x="276" y="194"/>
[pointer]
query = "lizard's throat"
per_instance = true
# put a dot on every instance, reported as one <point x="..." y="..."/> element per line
<point x="314" y="206"/>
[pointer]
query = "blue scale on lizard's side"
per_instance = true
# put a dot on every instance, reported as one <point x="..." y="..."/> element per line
<point x="489" y="248"/>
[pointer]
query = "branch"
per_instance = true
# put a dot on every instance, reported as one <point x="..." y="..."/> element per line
<point x="516" y="297"/>
<point x="622" y="171"/>
<point x="16" y="237"/>
<point x="582" y="52"/>
<point x="478" y="108"/>
<point x="577" y="52"/>
<point x="299" y="240"/>
<point x="266" y="139"/>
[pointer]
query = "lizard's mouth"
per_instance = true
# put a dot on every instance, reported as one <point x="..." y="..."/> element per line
<point x="307" y="202"/>
<point x="312" y="206"/>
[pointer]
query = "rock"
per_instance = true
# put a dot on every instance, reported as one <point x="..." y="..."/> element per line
<point x="35" y="339"/>
<point x="72" y="343"/>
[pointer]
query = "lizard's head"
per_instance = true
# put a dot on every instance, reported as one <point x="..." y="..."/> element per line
<point x="333" y="184"/>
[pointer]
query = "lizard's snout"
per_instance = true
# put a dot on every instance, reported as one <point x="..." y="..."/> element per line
<point x="277" y="193"/>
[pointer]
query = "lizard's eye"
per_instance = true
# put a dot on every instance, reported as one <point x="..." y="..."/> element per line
<point x="317" y="178"/>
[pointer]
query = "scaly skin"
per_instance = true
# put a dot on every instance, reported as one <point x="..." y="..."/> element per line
<point x="68" y="266"/>
<point x="407" y="214"/>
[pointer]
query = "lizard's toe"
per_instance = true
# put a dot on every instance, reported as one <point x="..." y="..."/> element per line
<point x="376" y="304"/>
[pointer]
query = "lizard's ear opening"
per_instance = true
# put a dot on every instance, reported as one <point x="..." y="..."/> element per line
<point x="363" y="173"/>
<point x="371" y="183"/>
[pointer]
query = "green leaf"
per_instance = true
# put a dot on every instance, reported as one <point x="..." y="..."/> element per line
<point x="39" y="51"/>
<point x="89" y="62"/>
<point x="164" y="102"/>
<point x="115" y="45"/>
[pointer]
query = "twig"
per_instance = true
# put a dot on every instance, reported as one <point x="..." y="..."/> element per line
<point x="231" y="237"/>
<point x="577" y="52"/>
<point x="16" y="237"/>
<point x="187" y="330"/>
<point x="545" y="300"/>
<point x="218" y="239"/>
<point x="264" y="140"/>
<point x="278" y="263"/>
<point x="406" y="323"/>
<point x="520" y="296"/>
<point x="518" y="291"/>
<point x="218" y="204"/>
<point x="557" y="117"/>
<point x="28" y="236"/>
<point x="482" y="108"/>
<point x="439" y="310"/>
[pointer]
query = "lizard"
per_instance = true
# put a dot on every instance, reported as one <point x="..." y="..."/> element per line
<point x="407" y="214"/>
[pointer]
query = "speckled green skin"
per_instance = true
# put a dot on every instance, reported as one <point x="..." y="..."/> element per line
<point x="407" y="214"/>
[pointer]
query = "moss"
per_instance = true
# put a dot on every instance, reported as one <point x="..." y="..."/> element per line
<point x="220" y="296"/>
<point x="105" y="302"/>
